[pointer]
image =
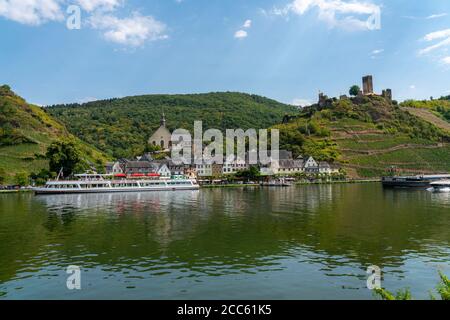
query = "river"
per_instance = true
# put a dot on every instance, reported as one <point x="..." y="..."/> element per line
<point x="303" y="242"/>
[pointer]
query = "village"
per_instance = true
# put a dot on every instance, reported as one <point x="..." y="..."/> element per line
<point x="152" y="165"/>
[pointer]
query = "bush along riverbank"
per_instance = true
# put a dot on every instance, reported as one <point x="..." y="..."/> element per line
<point x="443" y="289"/>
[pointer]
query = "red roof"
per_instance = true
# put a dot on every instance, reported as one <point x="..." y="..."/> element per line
<point x="138" y="175"/>
<point x="120" y="175"/>
<point x="153" y="174"/>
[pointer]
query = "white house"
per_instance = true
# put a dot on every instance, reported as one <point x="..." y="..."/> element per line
<point x="203" y="170"/>
<point x="113" y="168"/>
<point x="311" y="165"/>
<point x="163" y="170"/>
<point x="232" y="165"/>
<point x="290" y="167"/>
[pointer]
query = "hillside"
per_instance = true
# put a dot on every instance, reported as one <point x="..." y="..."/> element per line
<point x="436" y="112"/>
<point x="121" y="127"/>
<point x="368" y="136"/>
<point x="25" y="133"/>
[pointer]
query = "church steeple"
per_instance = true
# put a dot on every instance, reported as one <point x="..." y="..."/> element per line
<point x="163" y="120"/>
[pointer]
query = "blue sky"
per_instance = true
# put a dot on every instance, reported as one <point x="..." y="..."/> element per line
<point x="283" y="49"/>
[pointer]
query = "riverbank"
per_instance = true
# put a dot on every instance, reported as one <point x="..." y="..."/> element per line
<point x="340" y="182"/>
<point x="212" y="186"/>
<point x="296" y="183"/>
<point x="15" y="191"/>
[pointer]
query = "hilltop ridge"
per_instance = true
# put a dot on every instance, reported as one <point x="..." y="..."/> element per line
<point x="121" y="127"/>
<point x="368" y="135"/>
<point x="26" y="131"/>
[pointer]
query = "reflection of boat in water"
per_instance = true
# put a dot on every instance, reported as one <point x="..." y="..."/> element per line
<point x="440" y="186"/>
<point x="98" y="184"/>
<point x="119" y="201"/>
<point x="422" y="182"/>
<point x="281" y="182"/>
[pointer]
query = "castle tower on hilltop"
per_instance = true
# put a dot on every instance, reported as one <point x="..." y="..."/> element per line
<point x="387" y="94"/>
<point x="367" y="85"/>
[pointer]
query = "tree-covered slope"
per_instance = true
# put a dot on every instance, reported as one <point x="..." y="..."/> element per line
<point x="25" y="133"/>
<point x="368" y="136"/>
<point x="121" y="127"/>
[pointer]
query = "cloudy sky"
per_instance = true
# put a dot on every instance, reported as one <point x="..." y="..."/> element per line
<point x="284" y="49"/>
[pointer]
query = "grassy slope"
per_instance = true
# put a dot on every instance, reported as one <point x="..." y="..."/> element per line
<point x="434" y="111"/>
<point x="25" y="133"/>
<point x="370" y="136"/>
<point x="121" y="127"/>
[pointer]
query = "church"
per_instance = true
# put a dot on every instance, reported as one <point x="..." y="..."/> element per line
<point x="162" y="137"/>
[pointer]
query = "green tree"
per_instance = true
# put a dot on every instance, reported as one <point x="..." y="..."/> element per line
<point x="251" y="174"/>
<point x="443" y="289"/>
<point x="354" y="90"/>
<point x="64" y="154"/>
<point x="152" y="148"/>
<point x="41" y="177"/>
<point x="5" y="90"/>
<point x="22" y="179"/>
<point x="2" y="175"/>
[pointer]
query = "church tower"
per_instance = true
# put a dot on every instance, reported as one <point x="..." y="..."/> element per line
<point x="162" y="137"/>
<point x="163" y="120"/>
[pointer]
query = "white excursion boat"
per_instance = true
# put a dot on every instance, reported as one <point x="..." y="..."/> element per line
<point x="440" y="186"/>
<point x="96" y="183"/>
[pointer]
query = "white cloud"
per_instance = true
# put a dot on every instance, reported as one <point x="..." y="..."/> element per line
<point x="301" y="102"/>
<point x="437" y="35"/>
<point x="31" y="12"/>
<point x="240" y="34"/>
<point x="376" y="53"/>
<point x="435" y="16"/>
<point x="412" y="87"/>
<point x="337" y="13"/>
<point x="446" y="60"/>
<point x="37" y="12"/>
<point x="132" y="31"/>
<point x="87" y="99"/>
<point x="104" y="5"/>
<point x="432" y="16"/>
<point x="247" y="24"/>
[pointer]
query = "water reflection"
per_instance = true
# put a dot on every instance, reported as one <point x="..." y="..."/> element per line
<point x="318" y="237"/>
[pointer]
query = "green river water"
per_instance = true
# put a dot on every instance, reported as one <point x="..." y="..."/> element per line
<point x="303" y="242"/>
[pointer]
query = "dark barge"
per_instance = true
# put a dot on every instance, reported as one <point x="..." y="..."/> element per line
<point x="421" y="181"/>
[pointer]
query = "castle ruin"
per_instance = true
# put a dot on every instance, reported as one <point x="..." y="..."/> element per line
<point x="367" y="85"/>
<point x="367" y="90"/>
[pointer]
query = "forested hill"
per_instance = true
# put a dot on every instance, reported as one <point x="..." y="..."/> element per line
<point x="370" y="135"/>
<point x="121" y="127"/>
<point x="26" y="131"/>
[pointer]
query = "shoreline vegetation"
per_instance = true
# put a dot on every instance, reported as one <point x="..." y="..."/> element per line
<point x="443" y="289"/>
